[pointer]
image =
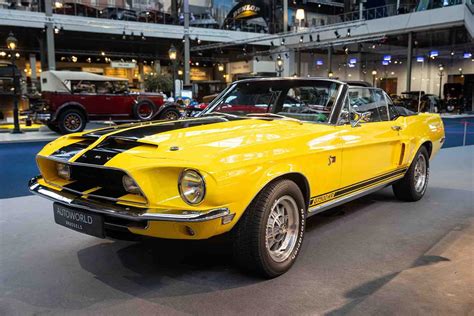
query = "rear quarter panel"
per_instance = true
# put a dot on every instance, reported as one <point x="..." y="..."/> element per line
<point x="419" y="129"/>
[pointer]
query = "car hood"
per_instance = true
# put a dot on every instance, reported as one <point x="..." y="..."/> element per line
<point x="201" y="141"/>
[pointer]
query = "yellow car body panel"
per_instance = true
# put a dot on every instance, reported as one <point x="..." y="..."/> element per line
<point x="239" y="158"/>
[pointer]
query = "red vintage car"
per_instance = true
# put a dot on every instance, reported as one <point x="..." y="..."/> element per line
<point x="70" y="99"/>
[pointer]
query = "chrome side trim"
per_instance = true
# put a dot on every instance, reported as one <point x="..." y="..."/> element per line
<point x="323" y="207"/>
<point x="126" y="212"/>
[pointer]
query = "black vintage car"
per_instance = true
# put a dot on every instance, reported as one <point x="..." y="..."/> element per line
<point x="155" y="16"/>
<point x="114" y="13"/>
<point x="77" y="9"/>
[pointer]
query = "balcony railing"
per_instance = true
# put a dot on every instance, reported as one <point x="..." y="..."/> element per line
<point x="208" y="21"/>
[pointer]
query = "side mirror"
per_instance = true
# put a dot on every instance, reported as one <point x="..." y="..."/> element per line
<point x="344" y="118"/>
<point x="360" y="117"/>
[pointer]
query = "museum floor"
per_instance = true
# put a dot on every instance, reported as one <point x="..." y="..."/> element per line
<point x="375" y="255"/>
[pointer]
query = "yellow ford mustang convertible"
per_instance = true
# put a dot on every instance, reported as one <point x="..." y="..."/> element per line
<point x="257" y="162"/>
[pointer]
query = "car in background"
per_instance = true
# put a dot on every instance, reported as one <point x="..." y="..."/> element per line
<point x="115" y="13"/>
<point x="205" y="20"/>
<point x="427" y="102"/>
<point x="292" y="148"/>
<point x="77" y="9"/>
<point x="69" y="99"/>
<point x="155" y="16"/>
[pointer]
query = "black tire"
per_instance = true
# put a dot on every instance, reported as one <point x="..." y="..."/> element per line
<point x="170" y="114"/>
<point x="409" y="188"/>
<point x="251" y="249"/>
<point x="144" y="110"/>
<point x="53" y="127"/>
<point x="71" y="121"/>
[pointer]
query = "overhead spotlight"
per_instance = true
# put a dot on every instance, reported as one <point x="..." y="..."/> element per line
<point x="244" y="49"/>
<point x="198" y="40"/>
<point x="124" y="35"/>
<point x="271" y="57"/>
<point x="287" y="56"/>
<point x="282" y="41"/>
<point x="143" y="36"/>
<point x="271" y="43"/>
<point x="452" y="53"/>
<point x="301" y="38"/>
<point x="318" y="39"/>
<point x="346" y="49"/>
<point x="348" y="32"/>
<point x="337" y="34"/>
<point x="56" y="30"/>
<point x="310" y="37"/>
<point x="184" y="39"/>
<point x="256" y="59"/>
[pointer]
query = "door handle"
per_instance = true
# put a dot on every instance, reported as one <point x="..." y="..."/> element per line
<point x="397" y="128"/>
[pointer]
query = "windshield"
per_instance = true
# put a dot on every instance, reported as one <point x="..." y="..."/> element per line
<point x="305" y="100"/>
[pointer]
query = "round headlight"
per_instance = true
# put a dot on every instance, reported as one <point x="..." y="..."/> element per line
<point x="192" y="187"/>
<point x="129" y="185"/>
<point x="64" y="171"/>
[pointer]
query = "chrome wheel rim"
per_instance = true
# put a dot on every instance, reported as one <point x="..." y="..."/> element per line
<point x="72" y="122"/>
<point x="281" y="232"/>
<point x="420" y="173"/>
<point x="145" y="111"/>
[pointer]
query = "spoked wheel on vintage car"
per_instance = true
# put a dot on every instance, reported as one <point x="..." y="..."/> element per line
<point x="71" y="121"/>
<point x="413" y="185"/>
<point x="144" y="110"/>
<point x="268" y="237"/>
<point x="170" y="114"/>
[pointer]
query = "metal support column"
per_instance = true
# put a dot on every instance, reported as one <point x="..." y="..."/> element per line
<point x="187" y="46"/>
<point x="50" y="36"/>
<point x="329" y="61"/>
<point x="285" y="16"/>
<point x="409" y="60"/>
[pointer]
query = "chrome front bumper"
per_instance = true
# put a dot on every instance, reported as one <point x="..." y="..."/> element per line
<point x="125" y="212"/>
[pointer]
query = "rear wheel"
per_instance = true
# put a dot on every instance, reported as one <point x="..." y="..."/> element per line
<point x="144" y="110"/>
<point x="269" y="235"/>
<point x="413" y="185"/>
<point x="71" y="121"/>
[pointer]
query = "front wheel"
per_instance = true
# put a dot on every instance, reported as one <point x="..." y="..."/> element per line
<point x="269" y="235"/>
<point x="413" y="185"/>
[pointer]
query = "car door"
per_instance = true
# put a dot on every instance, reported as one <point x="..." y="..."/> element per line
<point x="371" y="148"/>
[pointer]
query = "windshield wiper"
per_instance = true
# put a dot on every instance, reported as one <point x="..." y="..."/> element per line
<point x="274" y="116"/>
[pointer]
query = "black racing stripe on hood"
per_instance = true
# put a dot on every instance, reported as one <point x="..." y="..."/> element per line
<point x="119" y="142"/>
<point x="107" y="150"/>
<point x="69" y="151"/>
<point x="148" y="130"/>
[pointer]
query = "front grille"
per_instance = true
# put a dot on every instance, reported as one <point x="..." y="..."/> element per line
<point x="108" y="181"/>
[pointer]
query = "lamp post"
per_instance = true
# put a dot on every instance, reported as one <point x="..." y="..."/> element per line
<point x="279" y="65"/>
<point x="440" y="74"/>
<point x="172" y="53"/>
<point x="374" y="73"/>
<point x="12" y="45"/>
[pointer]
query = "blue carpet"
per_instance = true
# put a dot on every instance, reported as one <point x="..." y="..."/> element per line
<point x="17" y="166"/>
<point x="17" y="160"/>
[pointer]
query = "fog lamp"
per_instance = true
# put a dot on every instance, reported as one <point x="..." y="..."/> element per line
<point x="192" y="187"/>
<point x="130" y="185"/>
<point x="64" y="171"/>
